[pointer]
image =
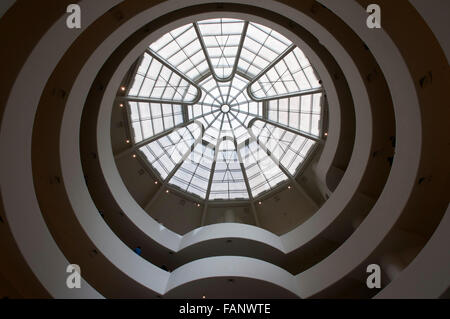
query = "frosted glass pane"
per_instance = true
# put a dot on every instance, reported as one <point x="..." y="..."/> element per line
<point x="182" y="67"/>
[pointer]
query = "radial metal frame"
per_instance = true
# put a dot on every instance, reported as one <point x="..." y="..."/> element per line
<point x="186" y="121"/>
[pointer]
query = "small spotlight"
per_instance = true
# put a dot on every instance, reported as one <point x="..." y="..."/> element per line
<point x="128" y="141"/>
<point x="134" y="155"/>
<point x="259" y="203"/>
<point x="289" y="187"/>
<point x="122" y="88"/>
<point x="204" y="297"/>
<point x="121" y="104"/>
<point x="198" y="205"/>
<point x="156" y="182"/>
<point x="167" y="191"/>
<point x="326" y="134"/>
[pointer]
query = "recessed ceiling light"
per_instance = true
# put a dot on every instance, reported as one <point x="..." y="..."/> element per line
<point x="134" y="155"/>
<point x="122" y="88"/>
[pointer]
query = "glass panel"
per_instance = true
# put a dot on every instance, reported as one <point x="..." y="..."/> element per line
<point x="147" y="118"/>
<point x="193" y="175"/>
<point x="228" y="180"/>
<point x="166" y="152"/>
<point x="289" y="149"/>
<point x="156" y="81"/>
<point x="292" y="74"/>
<point x="300" y="112"/>
<point x="262" y="173"/>
<point x="221" y="38"/>
<point x="261" y="46"/>
<point x="181" y="49"/>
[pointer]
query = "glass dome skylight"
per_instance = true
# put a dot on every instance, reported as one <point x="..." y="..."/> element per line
<point x="224" y="109"/>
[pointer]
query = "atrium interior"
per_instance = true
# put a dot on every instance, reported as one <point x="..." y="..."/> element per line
<point x="200" y="149"/>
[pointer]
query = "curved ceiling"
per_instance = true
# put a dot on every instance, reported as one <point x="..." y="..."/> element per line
<point x="378" y="192"/>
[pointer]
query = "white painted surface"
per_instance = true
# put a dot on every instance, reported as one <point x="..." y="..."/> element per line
<point x="5" y="5"/>
<point x="25" y="217"/>
<point x="436" y="14"/>
<point x="21" y="206"/>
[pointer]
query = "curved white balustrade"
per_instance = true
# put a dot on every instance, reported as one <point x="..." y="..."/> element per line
<point x="25" y="218"/>
<point x="291" y="241"/>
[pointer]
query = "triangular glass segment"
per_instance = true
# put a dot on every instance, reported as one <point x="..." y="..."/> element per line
<point x="228" y="180"/>
<point x="262" y="172"/>
<point x="301" y="113"/>
<point x="221" y="38"/>
<point x="193" y="175"/>
<point x="165" y="153"/>
<point x="292" y="74"/>
<point x="261" y="47"/>
<point x="238" y="127"/>
<point x="212" y="131"/>
<point x="149" y="119"/>
<point x="288" y="148"/>
<point x="181" y="48"/>
<point x="156" y="81"/>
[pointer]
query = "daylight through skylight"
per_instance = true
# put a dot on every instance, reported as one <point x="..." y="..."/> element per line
<point x="224" y="109"/>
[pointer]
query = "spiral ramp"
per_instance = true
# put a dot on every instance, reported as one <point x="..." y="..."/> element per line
<point x="380" y="180"/>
